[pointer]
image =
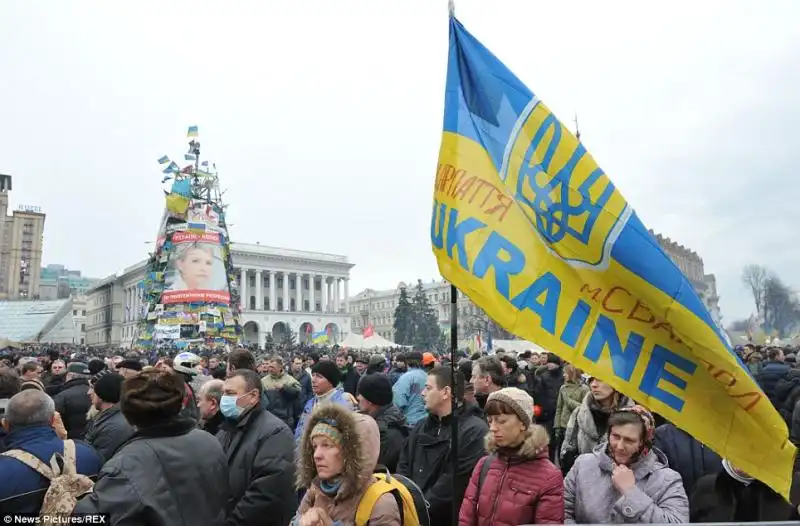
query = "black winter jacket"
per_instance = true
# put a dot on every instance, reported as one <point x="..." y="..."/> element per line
<point x="108" y="431"/>
<point x="166" y="474"/>
<point x="720" y="498"/>
<point x="787" y="393"/>
<point x="687" y="456"/>
<point x="260" y="451"/>
<point x="73" y="403"/>
<point x="425" y="459"/>
<point x="770" y="375"/>
<point x="548" y="384"/>
<point x="394" y="431"/>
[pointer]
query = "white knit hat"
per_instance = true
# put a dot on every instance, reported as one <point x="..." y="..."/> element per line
<point x="518" y="400"/>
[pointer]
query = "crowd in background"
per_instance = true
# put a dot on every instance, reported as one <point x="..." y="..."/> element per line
<point x="296" y="436"/>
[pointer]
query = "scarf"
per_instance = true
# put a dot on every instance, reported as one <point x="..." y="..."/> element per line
<point x="735" y="475"/>
<point x="330" y="487"/>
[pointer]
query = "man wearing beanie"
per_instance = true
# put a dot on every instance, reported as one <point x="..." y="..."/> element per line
<point x="375" y="400"/>
<point x="325" y="376"/>
<point x="109" y="429"/>
<point x="169" y="472"/>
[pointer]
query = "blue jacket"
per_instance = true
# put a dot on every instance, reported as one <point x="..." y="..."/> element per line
<point x="408" y="395"/>
<point x="338" y="397"/>
<point x="18" y="479"/>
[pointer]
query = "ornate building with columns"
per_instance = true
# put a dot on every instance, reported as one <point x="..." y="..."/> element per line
<point x="283" y="291"/>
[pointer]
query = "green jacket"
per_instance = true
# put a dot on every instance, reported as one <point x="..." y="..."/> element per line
<point x="570" y="397"/>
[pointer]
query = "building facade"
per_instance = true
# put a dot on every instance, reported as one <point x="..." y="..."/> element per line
<point x="376" y="308"/>
<point x="21" y="239"/>
<point x="691" y="264"/>
<point x="283" y="291"/>
<point x="58" y="282"/>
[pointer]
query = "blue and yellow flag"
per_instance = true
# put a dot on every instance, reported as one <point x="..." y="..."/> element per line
<point x="528" y="226"/>
<point x="319" y="336"/>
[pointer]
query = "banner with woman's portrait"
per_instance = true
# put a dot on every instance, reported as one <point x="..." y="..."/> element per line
<point x="196" y="270"/>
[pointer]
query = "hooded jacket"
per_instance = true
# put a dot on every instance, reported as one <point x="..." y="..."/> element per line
<point x="522" y="487"/>
<point x="360" y="448"/>
<point x="591" y="498"/>
<point x="771" y="373"/>
<point x="426" y="459"/>
<point x="582" y="435"/>
<point x="548" y="384"/>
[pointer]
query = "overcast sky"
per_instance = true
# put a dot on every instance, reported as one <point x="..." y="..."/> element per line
<point x="324" y="119"/>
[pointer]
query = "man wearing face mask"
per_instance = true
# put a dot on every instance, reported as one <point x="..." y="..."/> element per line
<point x="260" y="451"/>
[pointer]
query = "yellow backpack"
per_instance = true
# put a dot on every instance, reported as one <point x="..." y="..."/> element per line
<point x="410" y="500"/>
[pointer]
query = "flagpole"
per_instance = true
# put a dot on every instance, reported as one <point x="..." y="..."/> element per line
<point x="453" y="390"/>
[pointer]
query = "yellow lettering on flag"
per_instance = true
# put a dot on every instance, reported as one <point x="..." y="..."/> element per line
<point x="530" y="227"/>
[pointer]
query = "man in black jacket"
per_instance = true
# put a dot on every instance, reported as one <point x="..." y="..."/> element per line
<point x="72" y="402"/>
<point x="691" y="459"/>
<point x="109" y="429"/>
<point x="375" y="399"/>
<point x="260" y="450"/>
<point x="208" y="400"/>
<point x="425" y="459"/>
<point x="773" y="371"/>
<point x="169" y="472"/>
<point x="549" y="379"/>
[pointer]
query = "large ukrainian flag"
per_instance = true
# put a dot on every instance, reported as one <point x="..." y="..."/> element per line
<point x="530" y="227"/>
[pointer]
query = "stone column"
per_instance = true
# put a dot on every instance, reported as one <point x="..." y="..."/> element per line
<point x="285" y="292"/>
<point x="312" y="301"/>
<point x="324" y="290"/>
<point x="347" y="295"/>
<point x="259" y="291"/>
<point x="336" y="294"/>
<point x="272" y="299"/>
<point x="243" y="289"/>
<point x="298" y="282"/>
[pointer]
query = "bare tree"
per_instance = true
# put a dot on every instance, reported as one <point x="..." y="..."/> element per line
<point x="756" y="277"/>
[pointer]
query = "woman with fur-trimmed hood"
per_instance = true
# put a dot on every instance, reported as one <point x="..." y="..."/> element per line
<point x="337" y="455"/>
<point x="520" y="485"/>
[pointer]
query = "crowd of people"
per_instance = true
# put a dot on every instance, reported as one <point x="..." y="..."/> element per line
<point x="334" y="438"/>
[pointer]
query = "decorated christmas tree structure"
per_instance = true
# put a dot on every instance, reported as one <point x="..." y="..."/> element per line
<point x="190" y="290"/>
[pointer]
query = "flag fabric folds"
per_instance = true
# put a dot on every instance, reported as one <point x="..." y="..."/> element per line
<point x="192" y="132"/>
<point x="528" y="226"/>
<point x="319" y="336"/>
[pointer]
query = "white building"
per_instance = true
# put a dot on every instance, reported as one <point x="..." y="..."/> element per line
<point x="276" y="291"/>
<point x="376" y="308"/>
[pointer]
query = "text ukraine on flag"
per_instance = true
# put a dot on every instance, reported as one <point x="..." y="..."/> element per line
<point x="533" y="231"/>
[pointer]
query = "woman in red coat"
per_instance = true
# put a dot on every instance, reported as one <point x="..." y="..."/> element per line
<point x="519" y="485"/>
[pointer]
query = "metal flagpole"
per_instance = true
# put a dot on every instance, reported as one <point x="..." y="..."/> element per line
<point x="453" y="392"/>
<point x="456" y="504"/>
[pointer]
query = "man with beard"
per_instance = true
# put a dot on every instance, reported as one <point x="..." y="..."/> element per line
<point x="109" y="429"/>
<point x="398" y="367"/>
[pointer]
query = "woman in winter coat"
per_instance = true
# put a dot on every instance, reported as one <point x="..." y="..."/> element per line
<point x="337" y="454"/>
<point x="516" y="483"/>
<point x="570" y="396"/>
<point x="588" y="423"/>
<point x="625" y="480"/>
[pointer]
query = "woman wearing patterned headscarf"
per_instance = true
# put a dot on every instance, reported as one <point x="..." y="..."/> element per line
<point x="625" y="480"/>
